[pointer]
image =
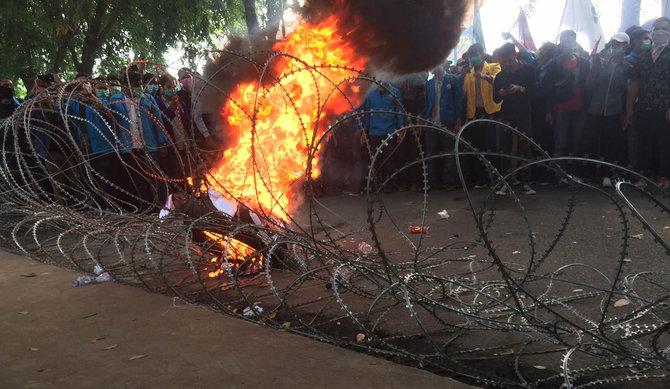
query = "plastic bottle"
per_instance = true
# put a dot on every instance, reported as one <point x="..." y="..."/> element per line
<point x="364" y="248"/>
<point x="342" y="275"/>
<point x="83" y="280"/>
<point x="104" y="277"/>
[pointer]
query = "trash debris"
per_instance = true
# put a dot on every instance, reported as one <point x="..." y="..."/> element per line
<point x="621" y="303"/>
<point x="540" y="367"/>
<point x="33" y="349"/>
<point x="418" y="229"/>
<point x="666" y="228"/>
<point x="248" y="312"/>
<point x="286" y="324"/>
<point x="577" y="290"/>
<point x="85" y="280"/>
<point x="515" y="252"/>
<point x="638" y="236"/>
<point x="627" y="260"/>
<point x="134" y="357"/>
<point x="364" y="248"/>
<point x="89" y="315"/>
<point x="29" y="275"/>
<point x="509" y="351"/>
<point x="23" y="313"/>
<point x="360" y="338"/>
<point x="341" y="276"/>
<point x="272" y="315"/>
<point x="112" y="347"/>
<point x="443" y="214"/>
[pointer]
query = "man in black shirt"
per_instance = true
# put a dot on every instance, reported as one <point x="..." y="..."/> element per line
<point x="650" y="86"/>
<point x="514" y="86"/>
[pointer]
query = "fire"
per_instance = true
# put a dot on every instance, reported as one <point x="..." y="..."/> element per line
<point x="273" y="154"/>
<point x="237" y="252"/>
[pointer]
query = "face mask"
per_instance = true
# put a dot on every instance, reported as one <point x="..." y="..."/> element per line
<point x="116" y="89"/>
<point x="475" y="61"/>
<point x="137" y="91"/>
<point x="6" y="93"/>
<point x="153" y="89"/>
<point x="102" y="93"/>
<point x="660" y="38"/>
<point x="169" y="93"/>
<point x="646" y="45"/>
<point x="617" y="52"/>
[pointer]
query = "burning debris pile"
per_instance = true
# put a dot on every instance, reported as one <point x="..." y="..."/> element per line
<point x="509" y="300"/>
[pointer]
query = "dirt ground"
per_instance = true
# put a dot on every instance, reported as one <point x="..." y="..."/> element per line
<point x="108" y="335"/>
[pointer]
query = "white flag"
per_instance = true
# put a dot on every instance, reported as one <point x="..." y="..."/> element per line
<point x="580" y="16"/>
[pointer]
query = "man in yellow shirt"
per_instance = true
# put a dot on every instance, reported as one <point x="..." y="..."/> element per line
<point x="478" y="96"/>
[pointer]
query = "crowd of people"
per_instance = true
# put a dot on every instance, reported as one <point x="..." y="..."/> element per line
<point x="132" y="131"/>
<point x="612" y="105"/>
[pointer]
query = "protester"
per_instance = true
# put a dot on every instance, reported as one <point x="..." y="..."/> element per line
<point x="444" y="102"/>
<point x="379" y="122"/>
<point x="648" y="104"/>
<point x="607" y="84"/>
<point x="478" y="96"/>
<point x="514" y="87"/>
<point x="565" y="87"/>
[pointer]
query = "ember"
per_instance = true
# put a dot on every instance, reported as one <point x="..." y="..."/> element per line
<point x="281" y="124"/>
<point x="236" y="254"/>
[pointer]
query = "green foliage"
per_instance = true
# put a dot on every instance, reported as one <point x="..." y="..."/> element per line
<point x="69" y="36"/>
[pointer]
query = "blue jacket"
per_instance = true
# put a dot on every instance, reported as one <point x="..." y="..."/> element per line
<point x="100" y="128"/>
<point x="451" y="99"/>
<point x="152" y="125"/>
<point x="380" y="124"/>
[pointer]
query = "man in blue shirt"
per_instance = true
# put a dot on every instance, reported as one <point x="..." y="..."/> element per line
<point x="379" y="121"/>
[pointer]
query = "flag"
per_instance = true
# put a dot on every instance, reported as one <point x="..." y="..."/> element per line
<point x="630" y="14"/>
<point x="525" y="37"/>
<point x="580" y="16"/>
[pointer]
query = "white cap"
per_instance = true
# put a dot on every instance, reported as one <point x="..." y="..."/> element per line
<point x="621" y="37"/>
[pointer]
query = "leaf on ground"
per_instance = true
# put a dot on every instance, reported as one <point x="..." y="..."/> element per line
<point x="360" y="338"/>
<point x="621" y="303"/>
<point x="89" y="315"/>
<point x="29" y="275"/>
<point x="272" y="315"/>
<point x="23" y="313"/>
<point x="509" y="351"/>
<point x="34" y="349"/>
<point x="638" y="236"/>
<point x="515" y="252"/>
<point x="286" y="324"/>
<point x="540" y="367"/>
<point x="112" y="347"/>
<point x="135" y="357"/>
<point x="577" y="290"/>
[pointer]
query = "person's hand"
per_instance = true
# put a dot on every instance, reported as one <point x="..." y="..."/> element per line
<point x="628" y="120"/>
<point x="549" y="118"/>
<point x="516" y="89"/>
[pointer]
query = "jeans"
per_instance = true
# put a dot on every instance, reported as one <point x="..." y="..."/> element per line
<point x="568" y="131"/>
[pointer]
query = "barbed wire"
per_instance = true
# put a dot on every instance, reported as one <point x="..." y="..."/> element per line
<point x="515" y="308"/>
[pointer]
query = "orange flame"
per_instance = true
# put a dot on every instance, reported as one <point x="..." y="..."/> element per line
<point x="238" y="252"/>
<point x="272" y="152"/>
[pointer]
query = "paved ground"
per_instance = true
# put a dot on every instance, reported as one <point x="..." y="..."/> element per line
<point x="110" y="335"/>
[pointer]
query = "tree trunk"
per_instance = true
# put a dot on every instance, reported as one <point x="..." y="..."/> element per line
<point x="250" y="16"/>
<point x="275" y="12"/>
